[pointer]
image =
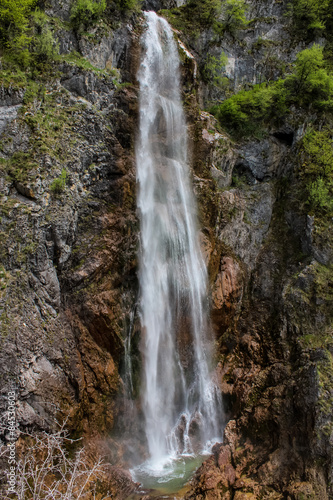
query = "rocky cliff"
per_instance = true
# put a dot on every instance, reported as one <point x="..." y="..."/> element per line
<point x="69" y="241"/>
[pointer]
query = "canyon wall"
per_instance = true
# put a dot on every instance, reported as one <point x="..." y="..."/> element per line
<point x="69" y="243"/>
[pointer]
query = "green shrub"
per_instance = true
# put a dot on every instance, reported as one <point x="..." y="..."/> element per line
<point x="310" y="82"/>
<point x="233" y="15"/>
<point x="20" y="165"/>
<point x="310" y="85"/>
<point x="318" y="148"/>
<point x="321" y="195"/>
<point x="85" y="13"/>
<point x="43" y="46"/>
<point x="317" y="169"/>
<point x="311" y="17"/>
<point x="128" y="5"/>
<point x="245" y="113"/>
<point x="197" y="15"/>
<point x="58" y="185"/>
<point x="14" y="29"/>
<point x="211" y="72"/>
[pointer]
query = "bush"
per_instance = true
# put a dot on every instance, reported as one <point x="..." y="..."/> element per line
<point x="43" y="46"/>
<point x="46" y="469"/>
<point x="310" y="85"/>
<point x="317" y="169"/>
<point x="245" y="113"/>
<point x="197" y="15"/>
<point x="58" y="185"/>
<point x="128" y="5"/>
<point x="85" y="13"/>
<point x="311" y="16"/>
<point x="212" y="70"/>
<point x="310" y="82"/>
<point x="321" y="195"/>
<point x="14" y="29"/>
<point x="233" y="15"/>
<point x="318" y="147"/>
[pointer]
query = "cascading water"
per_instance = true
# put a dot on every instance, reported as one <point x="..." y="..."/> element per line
<point x="180" y="402"/>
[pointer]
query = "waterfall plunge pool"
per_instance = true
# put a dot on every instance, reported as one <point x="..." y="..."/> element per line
<point x="169" y="478"/>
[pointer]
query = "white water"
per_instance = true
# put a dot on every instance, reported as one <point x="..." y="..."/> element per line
<point x="180" y="402"/>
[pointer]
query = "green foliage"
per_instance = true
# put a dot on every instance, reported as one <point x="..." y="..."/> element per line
<point x="197" y="15"/>
<point x="20" y="164"/>
<point x="211" y="72"/>
<point x="317" y="169"/>
<point x="233" y="15"/>
<point x="58" y="185"/>
<point x="76" y="59"/>
<point x="25" y="36"/>
<point x="311" y="17"/>
<point x="321" y="195"/>
<point x="16" y="78"/>
<point x="32" y="89"/>
<point x="263" y="43"/>
<point x="310" y="85"/>
<point x="318" y="147"/>
<point x="85" y="13"/>
<point x="14" y="29"/>
<point x="245" y="113"/>
<point x="310" y="82"/>
<point x="43" y="45"/>
<point x="128" y="5"/>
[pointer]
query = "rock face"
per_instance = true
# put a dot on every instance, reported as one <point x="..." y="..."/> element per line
<point x="270" y="308"/>
<point x="68" y="273"/>
<point x="68" y="248"/>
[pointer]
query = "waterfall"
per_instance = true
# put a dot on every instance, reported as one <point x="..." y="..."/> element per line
<point x="179" y="400"/>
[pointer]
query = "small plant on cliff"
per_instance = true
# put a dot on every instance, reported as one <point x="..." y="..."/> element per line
<point x="317" y="169"/>
<point x="213" y="68"/>
<point x="14" y="29"/>
<point x="309" y="85"/>
<point x="85" y="13"/>
<point x="311" y="17"/>
<point x="233" y="15"/>
<point x="128" y="5"/>
<point x="311" y="82"/>
<point x="245" y="113"/>
<point x="58" y="185"/>
<point x="198" y="15"/>
<point x="43" y="46"/>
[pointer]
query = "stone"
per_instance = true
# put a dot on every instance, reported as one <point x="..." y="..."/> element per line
<point x="7" y="114"/>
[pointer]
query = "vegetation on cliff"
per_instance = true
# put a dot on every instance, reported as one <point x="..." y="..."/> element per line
<point x="68" y="185"/>
<point x="309" y="86"/>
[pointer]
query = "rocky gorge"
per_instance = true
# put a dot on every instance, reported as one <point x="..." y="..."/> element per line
<point x="70" y="238"/>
